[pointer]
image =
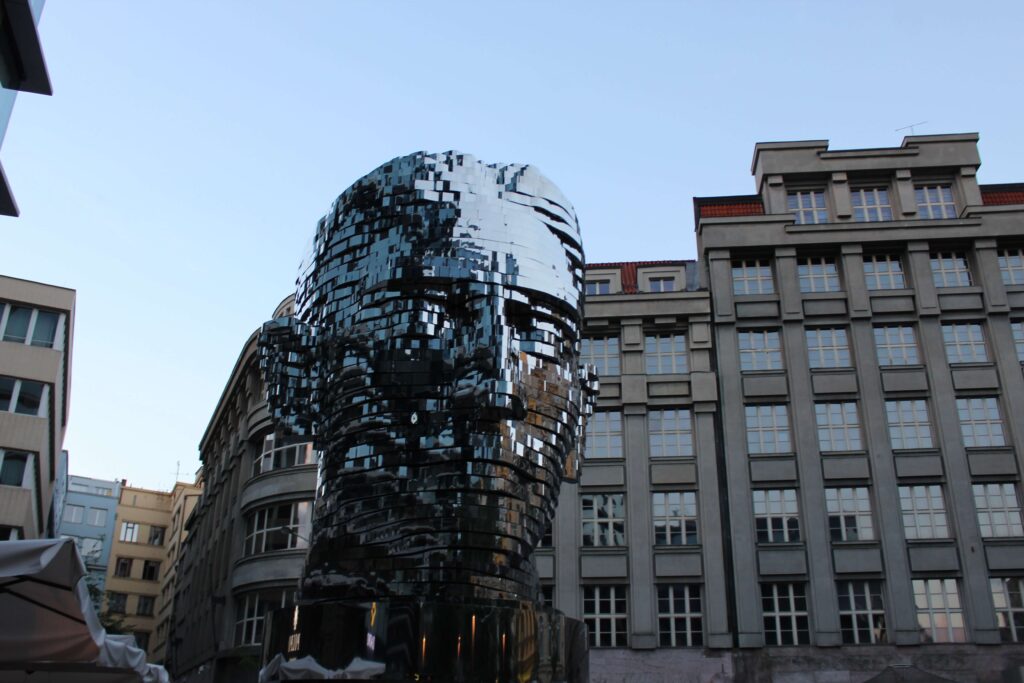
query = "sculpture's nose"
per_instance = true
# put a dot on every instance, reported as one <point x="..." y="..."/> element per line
<point x="489" y="381"/>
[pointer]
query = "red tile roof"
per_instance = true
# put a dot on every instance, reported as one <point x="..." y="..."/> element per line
<point x="999" y="197"/>
<point x="627" y="271"/>
<point x="738" y="208"/>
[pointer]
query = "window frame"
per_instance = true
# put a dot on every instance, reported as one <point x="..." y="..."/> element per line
<point x="884" y="210"/>
<point x="850" y="516"/>
<point x="1011" y="265"/>
<point x="898" y="431"/>
<point x="615" y="619"/>
<point x="814" y="214"/>
<point x="832" y="433"/>
<point x="596" y="350"/>
<point x="17" y="386"/>
<point x="30" y="331"/>
<point x="10" y="471"/>
<point x="261" y="537"/>
<point x="1009" y="610"/>
<point x="683" y="526"/>
<point x="606" y="444"/>
<point x="946" y="273"/>
<point x="896" y="350"/>
<point x="600" y="526"/>
<point x="917" y="505"/>
<point x="928" y="609"/>
<point x="670" y="429"/>
<point x="776" y="515"/>
<point x="876" y="277"/>
<point x="979" y="414"/>
<point x="671" y="361"/>
<point x="828" y="354"/>
<point x="756" y="351"/>
<point x="780" y="431"/>
<point x="785" y="624"/>
<point x="753" y="274"/>
<point x="683" y="628"/>
<point x="965" y="343"/>
<point x="997" y="504"/>
<point x="948" y="206"/>
<point x="818" y="275"/>
<point x="865" y="604"/>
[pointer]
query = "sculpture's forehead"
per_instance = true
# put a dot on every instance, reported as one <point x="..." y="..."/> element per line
<point x="449" y="217"/>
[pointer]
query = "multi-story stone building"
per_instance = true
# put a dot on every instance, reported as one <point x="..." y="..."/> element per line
<point x="802" y="461"/>
<point x="36" y="323"/>
<point x="184" y="498"/>
<point x="247" y="535"/>
<point x="137" y="559"/>
<point x="89" y="517"/>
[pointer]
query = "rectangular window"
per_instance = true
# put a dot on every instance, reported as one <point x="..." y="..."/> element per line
<point x="760" y="350"/>
<point x="861" y="612"/>
<point x="595" y="287"/>
<point x="13" y="465"/>
<point x="604" y="519"/>
<point x="808" y="207"/>
<point x="96" y="517"/>
<point x="675" y="518"/>
<point x="924" y="512"/>
<point x="547" y="593"/>
<point x="680" y="622"/>
<point x="849" y="514"/>
<point x="123" y="568"/>
<point x="871" y="204"/>
<point x="663" y="284"/>
<point x="74" y="513"/>
<point x="604" y="435"/>
<point x="144" y="607"/>
<point x="896" y="345"/>
<point x="90" y="549"/>
<point x="965" y="343"/>
<point x="1011" y="266"/>
<point x="768" y="429"/>
<point x="884" y="271"/>
<point x="838" y="426"/>
<point x="280" y="454"/>
<point x="277" y="527"/>
<point x="752" y="276"/>
<point x="935" y="201"/>
<point x="252" y="608"/>
<point x="998" y="509"/>
<point x="150" y="570"/>
<point x="116" y="602"/>
<point x="818" y="274"/>
<point x="602" y="353"/>
<point x="23" y="396"/>
<point x="156" y="535"/>
<point x="776" y="516"/>
<point x="949" y="269"/>
<point x="784" y="609"/>
<point x="939" y="613"/>
<point x="129" y="532"/>
<point x="909" y="426"/>
<point x="670" y="433"/>
<point x="25" y="325"/>
<point x="1008" y="598"/>
<point x="827" y="347"/>
<point x="1018" y="338"/>
<point x="604" y="613"/>
<point x="666" y="353"/>
<point x="980" y="422"/>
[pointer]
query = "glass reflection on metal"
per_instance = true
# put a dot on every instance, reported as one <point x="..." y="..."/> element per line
<point x="433" y="359"/>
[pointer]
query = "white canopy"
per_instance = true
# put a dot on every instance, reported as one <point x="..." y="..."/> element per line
<point x="48" y="616"/>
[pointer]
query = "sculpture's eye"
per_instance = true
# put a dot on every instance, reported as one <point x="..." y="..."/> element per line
<point x="520" y="316"/>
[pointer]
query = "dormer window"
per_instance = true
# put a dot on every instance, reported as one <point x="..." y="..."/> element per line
<point x="594" y="287"/>
<point x="663" y="284"/>
<point x="808" y="207"/>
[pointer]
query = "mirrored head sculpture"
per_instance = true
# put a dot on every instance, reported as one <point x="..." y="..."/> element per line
<point x="434" y="359"/>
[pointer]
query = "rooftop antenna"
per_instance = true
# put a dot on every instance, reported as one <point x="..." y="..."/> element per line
<point x="911" y="127"/>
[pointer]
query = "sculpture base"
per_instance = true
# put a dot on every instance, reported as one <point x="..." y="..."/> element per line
<point x="409" y="639"/>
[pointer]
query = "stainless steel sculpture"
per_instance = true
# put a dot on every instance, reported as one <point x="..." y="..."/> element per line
<point x="434" y="359"/>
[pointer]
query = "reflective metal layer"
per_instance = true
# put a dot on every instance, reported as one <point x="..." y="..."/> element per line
<point x="434" y="359"/>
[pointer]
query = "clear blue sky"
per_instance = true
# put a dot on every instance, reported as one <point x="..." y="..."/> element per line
<point x="177" y="172"/>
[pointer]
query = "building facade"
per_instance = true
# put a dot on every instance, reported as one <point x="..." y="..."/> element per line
<point x="137" y="559"/>
<point x="184" y="498"/>
<point x="89" y="517"/>
<point x="22" y="68"/>
<point x="803" y="464"/>
<point x="247" y="536"/>
<point x="36" y="330"/>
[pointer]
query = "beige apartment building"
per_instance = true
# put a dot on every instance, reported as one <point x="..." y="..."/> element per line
<point x="138" y="557"/>
<point x="183" y="500"/>
<point x="36" y="326"/>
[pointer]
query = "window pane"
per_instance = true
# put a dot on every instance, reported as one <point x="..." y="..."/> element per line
<point x="45" y="329"/>
<point x="30" y="398"/>
<point x="17" y="324"/>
